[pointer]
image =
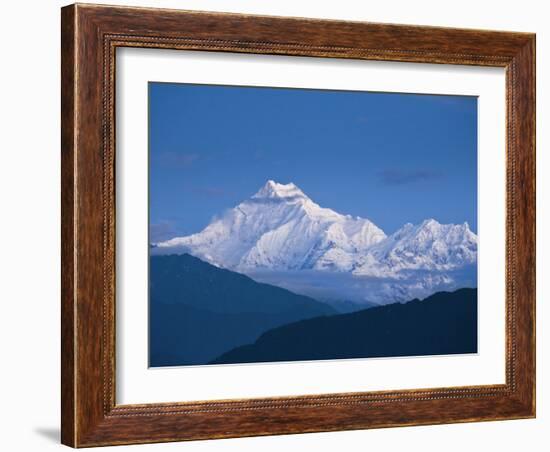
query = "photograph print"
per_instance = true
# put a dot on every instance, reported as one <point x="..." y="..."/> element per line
<point x="302" y="224"/>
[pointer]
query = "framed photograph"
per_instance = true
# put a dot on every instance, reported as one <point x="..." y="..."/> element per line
<point x="281" y="225"/>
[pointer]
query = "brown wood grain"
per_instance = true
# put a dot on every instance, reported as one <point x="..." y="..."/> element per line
<point x="90" y="36"/>
<point x="67" y="226"/>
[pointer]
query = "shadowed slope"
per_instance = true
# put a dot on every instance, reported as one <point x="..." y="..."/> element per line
<point x="444" y="323"/>
<point x="198" y="311"/>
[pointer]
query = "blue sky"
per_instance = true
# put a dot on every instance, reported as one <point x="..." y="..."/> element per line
<point x="391" y="158"/>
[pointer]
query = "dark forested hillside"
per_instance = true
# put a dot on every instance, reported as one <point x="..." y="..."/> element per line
<point x="198" y="311"/>
<point x="444" y="323"/>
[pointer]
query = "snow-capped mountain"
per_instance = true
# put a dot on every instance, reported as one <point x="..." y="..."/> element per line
<point x="427" y="246"/>
<point x="280" y="229"/>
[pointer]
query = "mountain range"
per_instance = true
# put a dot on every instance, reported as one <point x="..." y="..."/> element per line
<point x="281" y="236"/>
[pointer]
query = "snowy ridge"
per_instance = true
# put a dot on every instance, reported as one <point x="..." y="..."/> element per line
<point x="428" y="246"/>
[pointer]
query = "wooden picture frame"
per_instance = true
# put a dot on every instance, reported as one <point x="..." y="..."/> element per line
<point x="90" y="36"/>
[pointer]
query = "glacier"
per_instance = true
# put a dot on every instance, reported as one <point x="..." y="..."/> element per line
<point x="279" y="235"/>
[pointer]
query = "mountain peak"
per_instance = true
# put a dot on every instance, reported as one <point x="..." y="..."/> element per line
<point x="430" y="223"/>
<point x="434" y="226"/>
<point x="274" y="190"/>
